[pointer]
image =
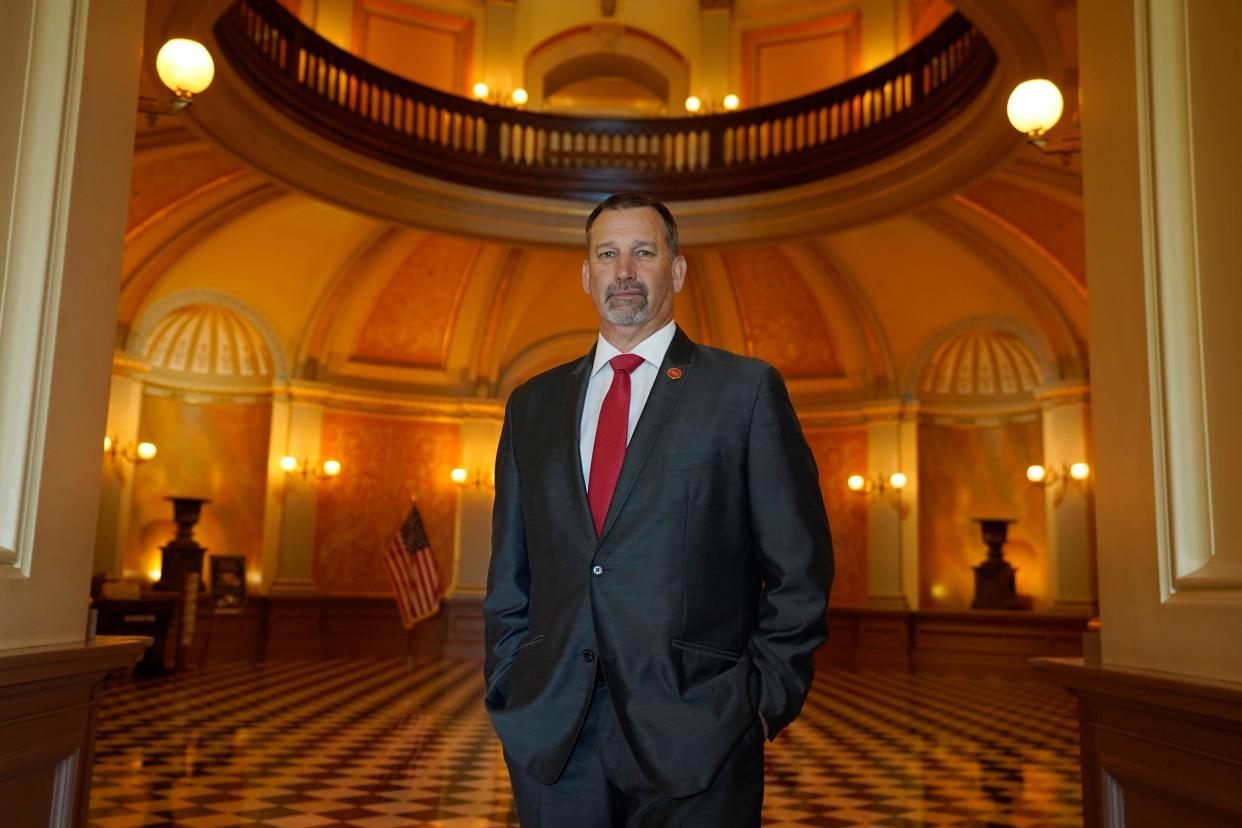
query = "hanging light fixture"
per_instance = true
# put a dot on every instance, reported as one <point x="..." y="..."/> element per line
<point x="185" y="67"/>
<point x="1035" y="106"/>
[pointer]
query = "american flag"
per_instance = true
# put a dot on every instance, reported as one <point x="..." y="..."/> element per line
<point x="412" y="571"/>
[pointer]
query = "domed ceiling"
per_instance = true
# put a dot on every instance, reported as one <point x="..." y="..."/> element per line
<point x="848" y="315"/>
<point x="360" y="302"/>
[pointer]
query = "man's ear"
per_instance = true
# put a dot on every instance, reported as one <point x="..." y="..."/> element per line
<point x="586" y="277"/>
<point x="679" y="273"/>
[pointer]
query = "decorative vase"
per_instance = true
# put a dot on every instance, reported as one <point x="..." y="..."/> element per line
<point x="995" y="585"/>
<point x="182" y="555"/>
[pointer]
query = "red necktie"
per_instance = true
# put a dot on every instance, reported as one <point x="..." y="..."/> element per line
<point x="609" y="452"/>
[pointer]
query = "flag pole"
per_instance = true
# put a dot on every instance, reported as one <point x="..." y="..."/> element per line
<point x="409" y="648"/>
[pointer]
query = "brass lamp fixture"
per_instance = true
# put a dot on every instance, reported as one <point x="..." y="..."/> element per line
<point x="462" y="478"/>
<point x="1034" y="107"/>
<point x="888" y="487"/>
<point x="129" y="452"/>
<point x="485" y="94"/>
<point x="1070" y="474"/>
<point x="184" y="66"/>
<point x="697" y="106"/>
<point x="305" y="469"/>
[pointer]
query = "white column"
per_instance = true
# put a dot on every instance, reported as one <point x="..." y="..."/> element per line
<point x="116" y="491"/>
<point x="892" y="516"/>
<point x="69" y="71"/>
<point x="472" y="548"/>
<point x="1067" y="504"/>
<point x="1161" y="177"/>
<point x="292" y="520"/>
<point x="712" y="78"/>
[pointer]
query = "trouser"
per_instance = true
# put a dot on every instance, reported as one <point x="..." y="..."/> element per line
<point x="603" y="787"/>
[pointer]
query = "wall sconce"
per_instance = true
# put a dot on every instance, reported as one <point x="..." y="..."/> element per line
<point x="485" y="94"/>
<point x="130" y="452"/>
<point x="1034" y="107"/>
<point x="184" y="66"/>
<point x="1070" y="474"/>
<point x="889" y="487"/>
<point x="305" y="469"/>
<point x="462" y="478"/>
<point x="729" y="103"/>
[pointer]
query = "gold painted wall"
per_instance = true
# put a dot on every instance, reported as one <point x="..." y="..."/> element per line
<point x="967" y="472"/>
<point x="385" y="460"/>
<point x="212" y="450"/>
<point x="837" y="451"/>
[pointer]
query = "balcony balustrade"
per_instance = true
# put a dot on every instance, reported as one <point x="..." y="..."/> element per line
<point x="414" y="127"/>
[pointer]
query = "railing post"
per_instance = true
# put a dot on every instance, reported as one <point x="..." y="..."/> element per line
<point x="293" y="49"/>
<point x="715" y="148"/>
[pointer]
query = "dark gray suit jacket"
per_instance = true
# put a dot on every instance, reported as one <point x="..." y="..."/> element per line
<point x="704" y="597"/>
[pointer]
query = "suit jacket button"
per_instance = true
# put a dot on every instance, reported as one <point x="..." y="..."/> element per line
<point x="588" y="656"/>
<point x="597" y="570"/>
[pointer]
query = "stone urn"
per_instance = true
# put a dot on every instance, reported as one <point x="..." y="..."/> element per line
<point x="182" y="555"/>
<point x="995" y="586"/>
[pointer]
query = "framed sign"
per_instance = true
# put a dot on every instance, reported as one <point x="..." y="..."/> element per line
<point x="228" y="581"/>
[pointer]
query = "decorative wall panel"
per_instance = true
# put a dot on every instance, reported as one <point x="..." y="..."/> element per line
<point x="973" y="472"/>
<point x="413" y="316"/>
<point x="781" y="318"/>
<point x="385" y="460"/>
<point x="837" y="451"/>
<point x="926" y="15"/>
<point x="213" y="450"/>
<point x="428" y="47"/>
<point x="782" y="62"/>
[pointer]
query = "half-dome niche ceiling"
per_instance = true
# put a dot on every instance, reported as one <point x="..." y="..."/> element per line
<point x="208" y="341"/>
<point x="981" y="365"/>
<point x="607" y="70"/>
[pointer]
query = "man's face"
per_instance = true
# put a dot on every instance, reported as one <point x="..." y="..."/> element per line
<point x="629" y="271"/>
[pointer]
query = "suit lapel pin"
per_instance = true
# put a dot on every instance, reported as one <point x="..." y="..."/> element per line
<point x="674" y="373"/>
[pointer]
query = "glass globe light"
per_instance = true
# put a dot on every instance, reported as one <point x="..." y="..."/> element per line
<point x="481" y="91"/>
<point x="185" y="67"/>
<point x="693" y="104"/>
<point x="458" y="476"/>
<point x="856" y="482"/>
<point x="898" y="480"/>
<point x="1035" y="106"/>
<point x="331" y="467"/>
<point x="732" y="102"/>
<point x="289" y="464"/>
<point x="1036" y="473"/>
<point x="519" y="96"/>
<point x="1080" y="471"/>
<point x="146" y="451"/>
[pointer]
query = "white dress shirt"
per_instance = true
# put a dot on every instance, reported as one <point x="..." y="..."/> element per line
<point x="652" y="350"/>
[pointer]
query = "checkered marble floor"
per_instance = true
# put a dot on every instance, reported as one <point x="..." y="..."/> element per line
<point x="378" y="744"/>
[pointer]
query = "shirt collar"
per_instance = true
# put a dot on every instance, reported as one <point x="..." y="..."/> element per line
<point x="652" y="349"/>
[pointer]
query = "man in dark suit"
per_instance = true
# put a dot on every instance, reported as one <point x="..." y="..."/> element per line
<point x="660" y="560"/>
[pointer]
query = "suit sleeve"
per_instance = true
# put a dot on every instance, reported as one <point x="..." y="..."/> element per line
<point x="794" y="549"/>
<point x="505" y="606"/>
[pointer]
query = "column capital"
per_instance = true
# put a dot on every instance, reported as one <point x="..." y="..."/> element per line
<point x="1067" y="392"/>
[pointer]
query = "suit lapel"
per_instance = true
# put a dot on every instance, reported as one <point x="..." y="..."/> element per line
<point x="660" y="404"/>
<point x="571" y="452"/>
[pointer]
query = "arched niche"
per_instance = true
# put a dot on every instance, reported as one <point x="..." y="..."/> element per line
<point x="607" y="69"/>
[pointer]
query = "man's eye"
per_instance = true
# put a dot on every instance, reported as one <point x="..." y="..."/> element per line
<point x="647" y="253"/>
<point x="606" y="254"/>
